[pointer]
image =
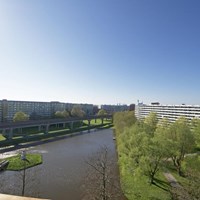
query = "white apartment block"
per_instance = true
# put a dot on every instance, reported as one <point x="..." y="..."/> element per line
<point x="172" y="112"/>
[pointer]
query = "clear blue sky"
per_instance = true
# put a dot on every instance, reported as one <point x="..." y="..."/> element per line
<point x="100" y="51"/>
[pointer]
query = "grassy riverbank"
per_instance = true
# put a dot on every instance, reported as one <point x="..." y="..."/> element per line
<point x="15" y="162"/>
<point x="60" y="131"/>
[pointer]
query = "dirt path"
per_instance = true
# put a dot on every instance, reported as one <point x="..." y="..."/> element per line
<point x="173" y="182"/>
<point x="178" y="192"/>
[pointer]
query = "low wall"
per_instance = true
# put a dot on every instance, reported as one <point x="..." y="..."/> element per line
<point x="12" y="197"/>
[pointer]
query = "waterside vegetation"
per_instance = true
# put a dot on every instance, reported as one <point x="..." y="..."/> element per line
<point x="147" y="148"/>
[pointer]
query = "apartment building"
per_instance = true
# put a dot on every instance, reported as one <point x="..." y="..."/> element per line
<point x="172" y="112"/>
<point x="115" y="108"/>
<point x="36" y="110"/>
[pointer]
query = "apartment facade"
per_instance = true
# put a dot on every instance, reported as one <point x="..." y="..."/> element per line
<point x="36" y="110"/>
<point x="172" y="112"/>
<point x="115" y="108"/>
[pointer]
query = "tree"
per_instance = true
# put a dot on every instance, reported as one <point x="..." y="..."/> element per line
<point x="65" y="114"/>
<point x="162" y="134"/>
<point x="190" y="190"/>
<point x="102" y="112"/>
<point x="145" y="152"/>
<point x="100" y="181"/>
<point x="95" y="110"/>
<point x="195" y="123"/>
<point x="58" y="114"/>
<point x="123" y="120"/>
<point x="151" y="161"/>
<point x="194" y="182"/>
<point x="151" y="122"/>
<point x="77" y="111"/>
<point x="130" y="143"/>
<point x="179" y="141"/>
<point x="20" y="116"/>
<point x="62" y="114"/>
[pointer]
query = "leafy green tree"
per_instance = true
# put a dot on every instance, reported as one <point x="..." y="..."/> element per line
<point x="143" y="152"/>
<point x="179" y="141"/>
<point x="58" y="114"/>
<point x="124" y="120"/>
<point x="152" y="159"/>
<point x="146" y="152"/>
<point x="132" y="139"/>
<point x="195" y="124"/>
<point x="193" y="176"/>
<point x="190" y="190"/>
<point x="162" y="134"/>
<point x="77" y="111"/>
<point x="150" y="123"/>
<point x="62" y="114"/>
<point x="20" y="116"/>
<point x="102" y="112"/>
<point x="65" y="114"/>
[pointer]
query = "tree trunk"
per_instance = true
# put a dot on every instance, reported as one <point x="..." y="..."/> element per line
<point x="179" y="170"/>
<point x="24" y="179"/>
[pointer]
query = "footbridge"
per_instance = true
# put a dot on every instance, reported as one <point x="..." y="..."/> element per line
<point x="7" y="129"/>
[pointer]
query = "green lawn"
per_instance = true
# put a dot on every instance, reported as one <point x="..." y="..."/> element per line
<point x="59" y="130"/>
<point x="137" y="187"/>
<point x="97" y="122"/>
<point x="2" y="137"/>
<point x="15" y="162"/>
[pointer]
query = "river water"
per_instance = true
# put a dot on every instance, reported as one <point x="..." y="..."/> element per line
<point x="62" y="173"/>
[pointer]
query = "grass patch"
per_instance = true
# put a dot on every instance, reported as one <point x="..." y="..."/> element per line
<point x="97" y="121"/>
<point x="136" y="186"/>
<point x="59" y="130"/>
<point x="15" y="162"/>
<point x="2" y="137"/>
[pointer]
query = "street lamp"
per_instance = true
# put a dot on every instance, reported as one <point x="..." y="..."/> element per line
<point x="23" y="155"/>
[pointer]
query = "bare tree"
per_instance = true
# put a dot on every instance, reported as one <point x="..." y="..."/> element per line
<point x="28" y="182"/>
<point x="26" y="176"/>
<point x="101" y="181"/>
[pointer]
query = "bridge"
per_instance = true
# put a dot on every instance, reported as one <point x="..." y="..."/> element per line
<point x="43" y="125"/>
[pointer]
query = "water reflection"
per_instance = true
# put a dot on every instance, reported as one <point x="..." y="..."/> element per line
<point x="61" y="175"/>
